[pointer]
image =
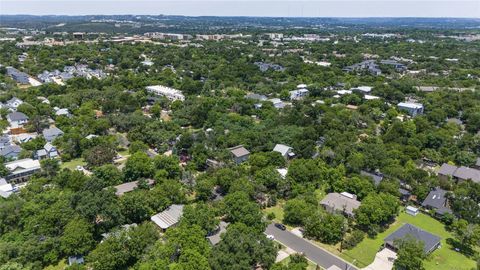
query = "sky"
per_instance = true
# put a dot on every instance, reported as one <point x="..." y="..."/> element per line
<point x="270" y="8"/>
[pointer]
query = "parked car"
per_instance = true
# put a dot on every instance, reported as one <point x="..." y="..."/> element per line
<point x="270" y="237"/>
<point x="280" y="226"/>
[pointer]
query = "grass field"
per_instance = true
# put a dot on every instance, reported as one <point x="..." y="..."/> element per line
<point x="444" y="258"/>
<point x="72" y="164"/>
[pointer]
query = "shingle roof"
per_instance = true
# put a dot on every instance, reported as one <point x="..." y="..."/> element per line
<point x="341" y="202"/>
<point x="10" y="149"/>
<point x="377" y="178"/>
<point x="169" y="217"/>
<point x="436" y="199"/>
<point x="465" y="173"/>
<point x="17" y="116"/>
<point x="215" y="238"/>
<point x="429" y="240"/>
<point x="53" y="131"/>
<point x="447" y="169"/>
<point x="129" y="186"/>
<point x="239" y="151"/>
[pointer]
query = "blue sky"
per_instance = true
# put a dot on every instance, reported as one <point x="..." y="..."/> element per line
<point x="312" y="8"/>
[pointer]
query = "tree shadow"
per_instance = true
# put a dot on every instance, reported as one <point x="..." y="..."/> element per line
<point x="461" y="248"/>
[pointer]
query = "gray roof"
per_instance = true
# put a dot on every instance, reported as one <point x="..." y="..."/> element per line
<point x="429" y="240"/>
<point x="17" y="116"/>
<point x="447" y="169"/>
<point x="465" y="173"/>
<point x="239" y="151"/>
<point x="377" y="178"/>
<point x="341" y="202"/>
<point x="256" y="96"/>
<point x="9" y="149"/>
<point x="169" y="217"/>
<point x="436" y="200"/>
<point x="53" y="131"/>
<point x="129" y="186"/>
<point x="215" y="238"/>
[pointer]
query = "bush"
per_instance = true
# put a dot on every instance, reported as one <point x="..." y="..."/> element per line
<point x="353" y="239"/>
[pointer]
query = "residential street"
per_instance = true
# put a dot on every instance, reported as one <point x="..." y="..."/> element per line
<point x="316" y="254"/>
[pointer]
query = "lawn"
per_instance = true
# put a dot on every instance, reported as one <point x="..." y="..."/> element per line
<point x="444" y="258"/>
<point x="277" y="210"/>
<point x="311" y="265"/>
<point x="72" y="164"/>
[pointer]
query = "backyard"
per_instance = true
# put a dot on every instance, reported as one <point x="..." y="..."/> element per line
<point x="444" y="258"/>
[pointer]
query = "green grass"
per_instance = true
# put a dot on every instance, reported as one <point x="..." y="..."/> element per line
<point x="72" y="164"/>
<point x="444" y="258"/>
<point x="311" y="265"/>
<point x="277" y="210"/>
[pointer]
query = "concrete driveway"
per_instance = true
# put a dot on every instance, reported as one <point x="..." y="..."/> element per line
<point x="383" y="260"/>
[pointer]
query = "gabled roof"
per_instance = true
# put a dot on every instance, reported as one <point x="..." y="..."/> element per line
<point x="466" y="173"/>
<point x="239" y="151"/>
<point x="377" y="178"/>
<point x="9" y="149"/>
<point x="129" y="186"/>
<point x="23" y="164"/>
<point x="53" y="131"/>
<point x="17" y="116"/>
<point x="169" y="217"/>
<point x="282" y="149"/>
<point x="345" y="202"/>
<point x="49" y="147"/>
<point x="436" y="199"/>
<point x="429" y="240"/>
<point x="447" y="169"/>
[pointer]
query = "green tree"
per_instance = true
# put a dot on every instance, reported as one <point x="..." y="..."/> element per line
<point x="138" y="165"/>
<point x="410" y="254"/>
<point x="77" y="238"/>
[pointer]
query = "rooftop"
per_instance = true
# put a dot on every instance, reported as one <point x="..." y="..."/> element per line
<point x="344" y="201"/>
<point x="429" y="240"/>
<point x="169" y="217"/>
<point x="239" y="151"/>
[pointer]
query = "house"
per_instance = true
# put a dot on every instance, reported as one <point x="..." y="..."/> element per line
<point x="240" y="154"/>
<point x="215" y="237"/>
<point x="256" y="97"/>
<point x="362" y="89"/>
<point x="50" y="134"/>
<point x="24" y="137"/>
<point x="277" y="103"/>
<point x="13" y="103"/>
<point x="341" y="202"/>
<point x="413" y="109"/>
<point x="129" y="186"/>
<point x="75" y="260"/>
<point x="18" y="76"/>
<point x="62" y="112"/>
<point x="437" y="201"/>
<point x="168" y="218"/>
<point x="48" y="151"/>
<point x="411" y="210"/>
<point x="299" y="93"/>
<point x="11" y="151"/>
<point x="284" y="150"/>
<point x="430" y="241"/>
<point x="170" y="93"/>
<point x="4" y="141"/>
<point x="17" y="119"/>
<point x="459" y="174"/>
<point x="20" y="170"/>
<point x="6" y="189"/>
<point x="404" y="194"/>
<point x="376" y="177"/>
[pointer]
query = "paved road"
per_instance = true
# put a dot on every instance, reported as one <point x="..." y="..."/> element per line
<point x="316" y="254"/>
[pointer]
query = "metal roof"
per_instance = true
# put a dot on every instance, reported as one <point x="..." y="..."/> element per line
<point x="169" y="217"/>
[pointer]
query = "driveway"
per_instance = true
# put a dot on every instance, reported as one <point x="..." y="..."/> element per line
<point x="313" y="252"/>
<point x="383" y="260"/>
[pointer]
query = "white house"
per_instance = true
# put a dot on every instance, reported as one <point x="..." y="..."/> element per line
<point x="284" y="150"/>
<point x="169" y="217"/>
<point x="170" y="93"/>
<point x="412" y="109"/>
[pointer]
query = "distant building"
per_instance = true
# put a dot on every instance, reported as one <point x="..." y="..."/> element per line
<point x="341" y="202"/>
<point x="362" y="89"/>
<point x="75" y="260"/>
<point x="437" y="201"/>
<point x="168" y="218"/>
<point x="430" y="241"/>
<point x="399" y="67"/>
<point x="277" y="103"/>
<point x="48" y="151"/>
<point x="13" y="103"/>
<point x="170" y="93"/>
<point x="266" y="66"/>
<point x="239" y="153"/>
<point x="376" y="177"/>
<point x="368" y="65"/>
<point x="411" y="108"/>
<point x="284" y="150"/>
<point x="256" y="97"/>
<point x="21" y="170"/>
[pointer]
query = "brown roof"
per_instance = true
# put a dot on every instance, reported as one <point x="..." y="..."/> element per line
<point x="239" y="151"/>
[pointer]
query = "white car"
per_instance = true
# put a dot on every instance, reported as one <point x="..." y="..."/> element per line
<point x="270" y="237"/>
